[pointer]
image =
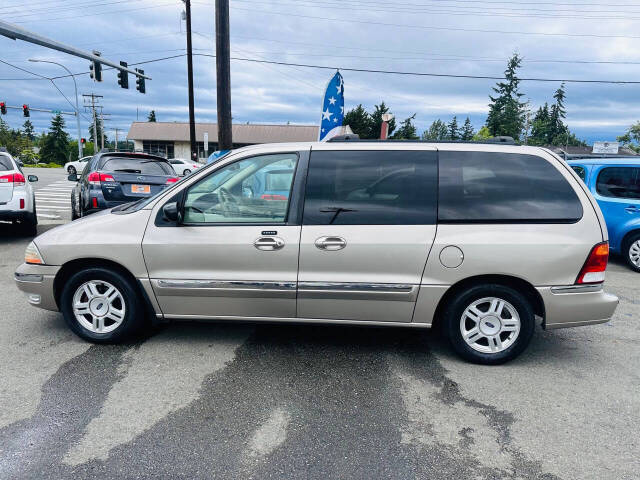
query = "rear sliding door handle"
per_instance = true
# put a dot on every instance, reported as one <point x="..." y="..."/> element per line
<point x="331" y="243"/>
<point x="269" y="243"/>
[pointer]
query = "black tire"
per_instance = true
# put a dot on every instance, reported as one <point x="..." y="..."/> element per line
<point x="74" y="215"/>
<point x="134" y="316"/>
<point x="457" y="307"/>
<point x="71" y="170"/>
<point x="186" y="172"/>
<point x="30" y="224"/>
<point x="626" y="250"/>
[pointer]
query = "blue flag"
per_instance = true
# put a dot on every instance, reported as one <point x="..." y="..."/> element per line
<point x="332" y="106"/>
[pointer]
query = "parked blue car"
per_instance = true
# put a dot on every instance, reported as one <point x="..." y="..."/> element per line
<point x="615" y="184"/>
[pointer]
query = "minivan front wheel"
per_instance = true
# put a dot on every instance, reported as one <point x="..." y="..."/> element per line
<point x="489" y="324"/>
<point x="100" y="305"/>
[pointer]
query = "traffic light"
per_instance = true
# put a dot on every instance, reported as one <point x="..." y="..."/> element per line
<point x="25" y="110"/>
<point x="3" y="108"/>
<point x="83" y="141"/>
<point x="140" y="81"/>
<point x="96" y="69"/>
<point x="123" y="76"/>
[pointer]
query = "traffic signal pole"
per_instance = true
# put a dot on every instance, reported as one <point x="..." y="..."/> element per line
<point x="192" y="118"/>
<point x="223" y="75"/>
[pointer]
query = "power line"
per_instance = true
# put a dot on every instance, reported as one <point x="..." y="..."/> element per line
<point x="110" y="12"/>
<point x="431" y="27"/>
<point x="67" y="8"/>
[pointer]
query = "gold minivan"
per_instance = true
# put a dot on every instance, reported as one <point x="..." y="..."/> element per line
<point x="489" y="240"/>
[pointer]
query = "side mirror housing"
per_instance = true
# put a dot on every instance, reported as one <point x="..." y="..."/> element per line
<point x="73" y="177"/>
<point x="32" y="178"/>
<point x="170" y="211"/>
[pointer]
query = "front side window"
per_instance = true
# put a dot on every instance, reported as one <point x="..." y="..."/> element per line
<point x="619" y="182"/>
<point x="371" y="188"/>
<point x="582" y="173"/>
<point x="240" y="193"/>
<point x="503" y="187"/>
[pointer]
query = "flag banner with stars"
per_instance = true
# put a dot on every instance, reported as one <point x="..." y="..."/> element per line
<point x="332" y="106"/>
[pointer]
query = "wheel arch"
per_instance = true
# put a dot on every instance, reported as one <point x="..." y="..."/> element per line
<point x="634" y="231"/>
<point x="74" y="266"/>
<point x="519" y="284"/>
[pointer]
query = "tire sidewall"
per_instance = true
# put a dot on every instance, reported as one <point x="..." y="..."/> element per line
<point x="133" y="314"/>
<point x="627" y="246"/>
<point x="71" y="170"/>
<point x="464" y="299"/>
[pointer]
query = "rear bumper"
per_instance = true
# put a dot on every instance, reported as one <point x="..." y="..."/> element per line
<point x="11" y="210"/>
<point x="36" y="281"/>
<point x="575" y="306"/>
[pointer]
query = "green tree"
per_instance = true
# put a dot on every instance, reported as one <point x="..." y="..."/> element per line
<point x="152" y="116"/>
<point x="437" y="131"/>
<point x="452" y="129"/>
<point x="467" y="131"/>
<point x="407" y="130"/>
<point x="359" y="120"/>
<point x="28" y="130"/>
<point x="540" y="127"/>
<point x="506" y="111"/>
<point x="56" y="143"/>
<point x="557" y="115"/>
<point x="631" y="138"/>
<point x="482" y="134"/>
<point x="376" y="121"/>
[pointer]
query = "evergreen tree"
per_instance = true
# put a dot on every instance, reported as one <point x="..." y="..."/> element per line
<point x="482" y="134"/>
<point x="152" y="116"/>
<point x="557" y="128"/>
<point x="437" y="131"/>
<point x="360" y="121"/>
<point x="56" y="143"/>
<point x="506" y="111"/>
<point x="467" y="131"/>
<point x="376" y="121"/>
<point x="540" y="127"/>
<point x="452" y="129"/>
<point x="407" y="130"/>
<point x="631" y="138"/>
<point x="28" y="130"/>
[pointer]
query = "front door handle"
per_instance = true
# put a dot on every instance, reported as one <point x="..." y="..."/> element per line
<point x="632" y="209"/>
<point x="269" y="243"/>
<point x="331" y="243"/>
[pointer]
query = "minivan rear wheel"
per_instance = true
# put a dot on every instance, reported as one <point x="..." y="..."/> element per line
<point x="101" y="305"/>
<point x="489" y="324"/>
<point x="632" y="251"/>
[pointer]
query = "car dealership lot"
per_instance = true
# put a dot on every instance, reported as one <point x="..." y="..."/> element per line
<point x="222" y="400"/>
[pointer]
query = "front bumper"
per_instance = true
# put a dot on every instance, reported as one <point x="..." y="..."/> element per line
<point x="576" y="306"/>
<point x="36" y="281"/>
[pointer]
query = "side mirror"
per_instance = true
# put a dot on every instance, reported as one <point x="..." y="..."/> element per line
<point x="73" y="177"/>
<point x="32" y="178"/>
<point x="170" y="211"/>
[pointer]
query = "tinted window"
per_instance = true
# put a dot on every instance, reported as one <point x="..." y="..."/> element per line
<point x="137" y="165"/>
<point x="495" y="187"/>
<point x="622" y="182"/>
<point x="235" y="193"/>
<point x="5" y="163"/>
<point x="371" y="188"/>
<point x="582" y="173"/>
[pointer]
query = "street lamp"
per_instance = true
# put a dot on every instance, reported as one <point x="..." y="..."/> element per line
<point x="77" y="107"/>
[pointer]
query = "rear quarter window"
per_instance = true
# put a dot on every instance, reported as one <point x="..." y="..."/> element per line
<point x="5" y="164"/>
<point x="488" y="187"/>
<point x="619" y="182"/>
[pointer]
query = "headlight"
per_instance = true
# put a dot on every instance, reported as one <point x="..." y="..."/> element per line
<point x="32" y="255"/>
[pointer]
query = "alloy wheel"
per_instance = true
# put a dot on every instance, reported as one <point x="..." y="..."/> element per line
<point x="98" y="306"/>
<point x="490" y="325"/>
<point x="634" y="253"/>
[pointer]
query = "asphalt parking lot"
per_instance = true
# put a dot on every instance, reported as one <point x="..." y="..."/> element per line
<point x="221" y="400"/>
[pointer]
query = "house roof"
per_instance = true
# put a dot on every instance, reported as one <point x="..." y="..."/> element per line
<point x="242" y="133"/>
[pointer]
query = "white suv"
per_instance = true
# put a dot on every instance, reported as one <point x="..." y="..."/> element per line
<point x="17" y="201"/>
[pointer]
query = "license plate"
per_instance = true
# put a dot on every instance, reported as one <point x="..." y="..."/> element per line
<point x="140" y="189"/>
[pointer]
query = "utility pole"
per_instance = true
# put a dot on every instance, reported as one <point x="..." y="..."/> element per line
<point x="192" y="118"/>
<point x="116" y="139"/>
<point x="102" y="130"/>
<point x="95" y="99"/>
<point x="223" y="75"/>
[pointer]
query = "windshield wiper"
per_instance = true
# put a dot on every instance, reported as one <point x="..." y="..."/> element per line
<point x="336" y="211"/>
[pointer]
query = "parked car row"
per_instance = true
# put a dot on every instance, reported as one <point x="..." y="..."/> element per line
<point x="486" y="240"/>
<point x="17" y="199"/>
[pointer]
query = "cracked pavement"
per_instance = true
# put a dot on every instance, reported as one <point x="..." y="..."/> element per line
<point x="224" y="400"/>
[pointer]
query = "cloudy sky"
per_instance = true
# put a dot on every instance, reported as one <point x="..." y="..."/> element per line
<point x="558" y="39"/>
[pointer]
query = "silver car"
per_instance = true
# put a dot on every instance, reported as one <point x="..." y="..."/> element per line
<point x="487" y="240"/>
<point x="17" y="199"/>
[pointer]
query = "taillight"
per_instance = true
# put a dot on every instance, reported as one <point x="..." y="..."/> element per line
<point x="596" y="264"/>
<point x="268" y="196"/>
<point x="22" y="204"/>
<point x="105" y="177"/>
<point x="195" y="166"/>
<point x="15" y="178"/>
<point x="94" y="202"/>
<point x="96" y="177"/>
<point x="171" y="180"/>
<point x="18" y="179"/>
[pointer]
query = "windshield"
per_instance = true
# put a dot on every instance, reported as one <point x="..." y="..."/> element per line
<point x="137" y="165"/>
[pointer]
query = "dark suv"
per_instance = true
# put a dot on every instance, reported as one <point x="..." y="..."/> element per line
<point x="113" y="178"/>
